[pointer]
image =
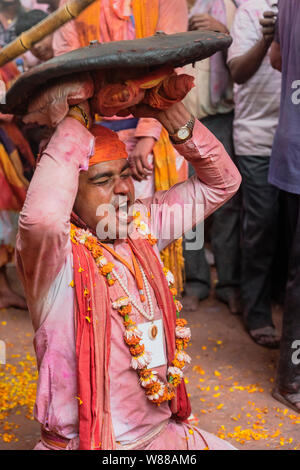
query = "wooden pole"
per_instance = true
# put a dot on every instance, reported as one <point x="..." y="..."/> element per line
<point x="26" y="40"/>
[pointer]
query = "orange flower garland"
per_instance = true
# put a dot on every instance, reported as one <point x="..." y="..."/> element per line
<point x="156" y="391"/>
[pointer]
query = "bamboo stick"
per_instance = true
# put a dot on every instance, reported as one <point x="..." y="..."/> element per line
<point x="45" y="27"/>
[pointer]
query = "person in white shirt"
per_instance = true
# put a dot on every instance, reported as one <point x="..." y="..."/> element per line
<point x="257" y="100"/>
<point x="211" y="101"/>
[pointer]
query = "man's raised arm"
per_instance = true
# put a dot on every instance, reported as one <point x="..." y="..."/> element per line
<point x="216" y="180"/>
<point x="43" y="240"/>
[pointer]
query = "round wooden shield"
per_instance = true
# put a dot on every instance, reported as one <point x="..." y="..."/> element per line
<point x="122" y="57"/>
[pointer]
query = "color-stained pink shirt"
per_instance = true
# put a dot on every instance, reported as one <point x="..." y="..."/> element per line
<point x="44" y="259"/>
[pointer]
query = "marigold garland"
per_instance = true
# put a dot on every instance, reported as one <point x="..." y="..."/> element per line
<point x="156" y="391"/>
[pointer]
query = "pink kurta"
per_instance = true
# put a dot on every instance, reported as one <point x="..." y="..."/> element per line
<point x="173" y="18"/>
<point x="44" y="259"/>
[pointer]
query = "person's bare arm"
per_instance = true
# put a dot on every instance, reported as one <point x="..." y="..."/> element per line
<point x="242" y="68"/>
<point x="275" y="56"/>
<point x="206" y="22"/>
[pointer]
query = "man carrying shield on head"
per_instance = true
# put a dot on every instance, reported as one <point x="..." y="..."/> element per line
<point x="109" y="337"/>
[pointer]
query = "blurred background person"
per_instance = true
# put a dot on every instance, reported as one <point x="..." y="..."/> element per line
<point x="9" y="12"/>
<point x="211" y="101"/>
<point x="16" y="156"/>
<point x="16" y="162"/>
<point x="41" y="51"/>
<point x="257" y="98"/>
<point x="49" y="5"/>
<point x="284" y="174"/>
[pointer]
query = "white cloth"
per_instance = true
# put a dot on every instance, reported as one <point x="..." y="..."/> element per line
<point x="256" y="101"/>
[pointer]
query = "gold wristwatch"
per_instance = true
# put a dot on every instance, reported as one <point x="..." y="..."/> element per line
<point x="184" y="133"/>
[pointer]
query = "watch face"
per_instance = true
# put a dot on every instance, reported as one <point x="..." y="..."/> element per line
<point x="183" y="133"/>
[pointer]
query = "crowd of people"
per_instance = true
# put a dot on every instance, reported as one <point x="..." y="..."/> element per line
<point x="245" y="111"/>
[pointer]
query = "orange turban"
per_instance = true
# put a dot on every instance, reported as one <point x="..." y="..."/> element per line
<point x="108" y="146"/>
